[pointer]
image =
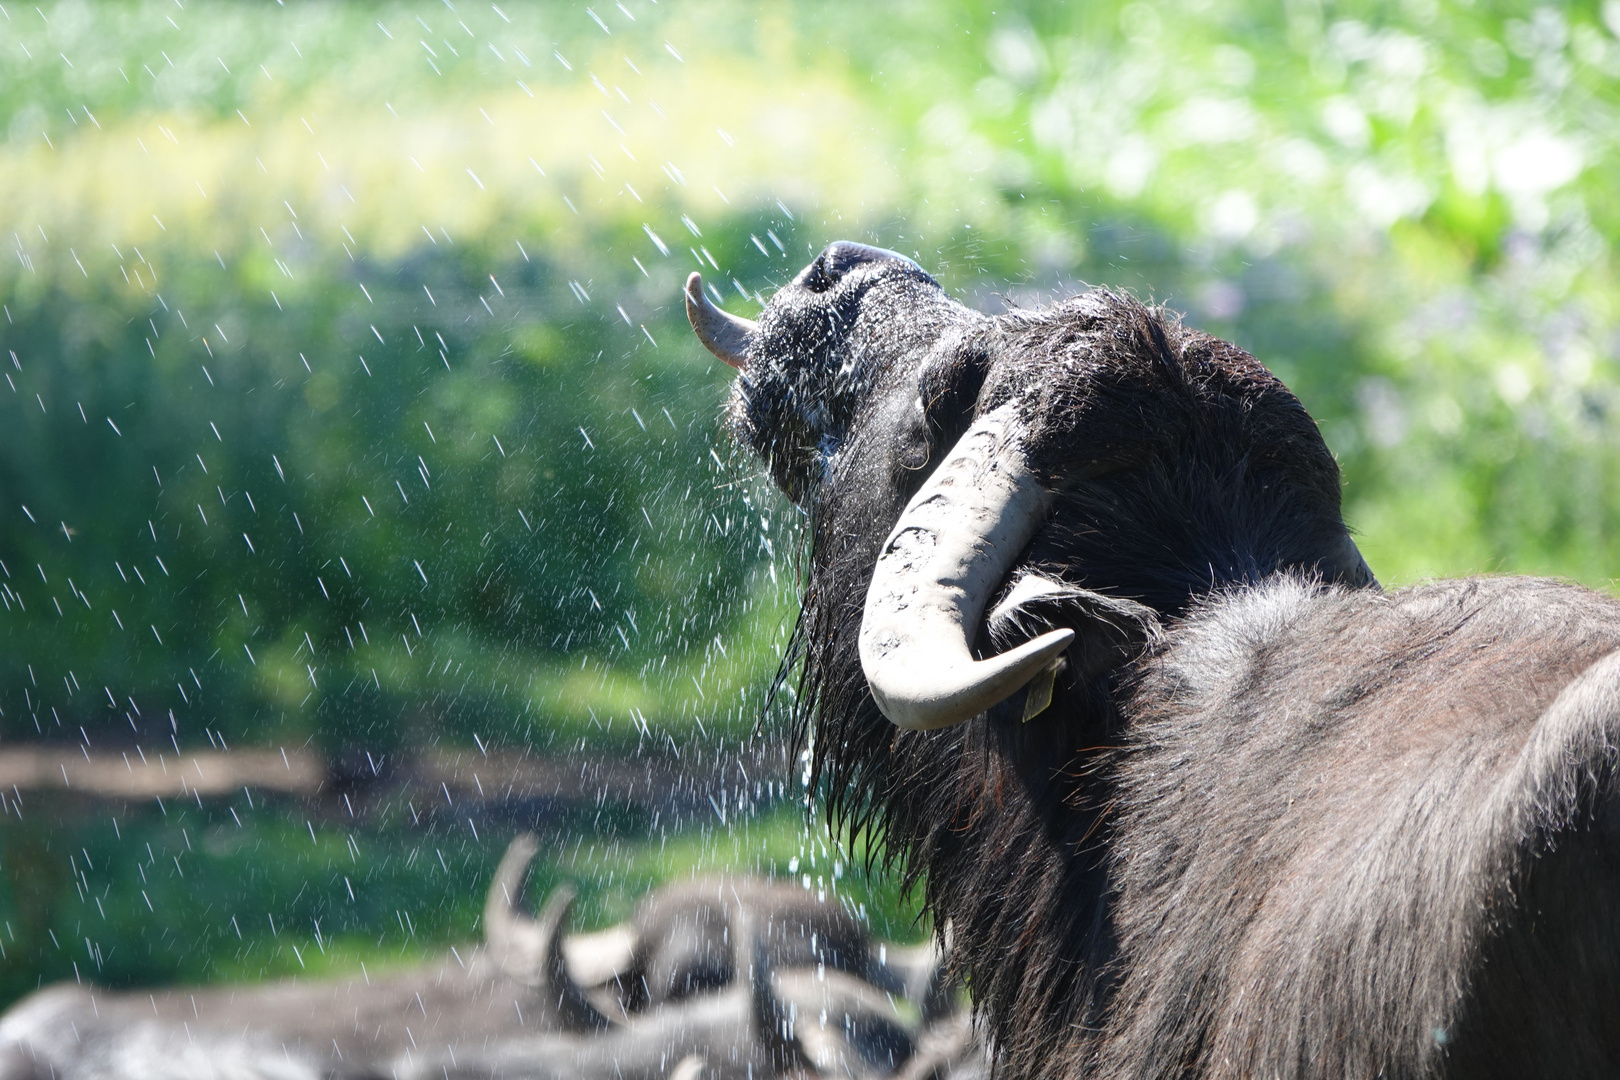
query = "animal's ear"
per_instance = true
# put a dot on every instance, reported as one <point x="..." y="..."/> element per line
<point x="949" y="387"/>
<point x="1109" y="631"/>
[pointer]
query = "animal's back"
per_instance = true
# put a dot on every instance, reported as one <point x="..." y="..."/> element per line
<point x="685" y="929"/>
<point x="1360" y="832"/>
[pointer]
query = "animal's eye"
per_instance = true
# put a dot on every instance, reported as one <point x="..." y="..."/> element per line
<point x="949" y="390"/>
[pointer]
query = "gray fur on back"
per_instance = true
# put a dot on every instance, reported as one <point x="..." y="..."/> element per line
<point x="1328" y="806"/>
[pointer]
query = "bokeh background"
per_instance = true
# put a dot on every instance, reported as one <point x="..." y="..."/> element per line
<point x="352" y="421"/>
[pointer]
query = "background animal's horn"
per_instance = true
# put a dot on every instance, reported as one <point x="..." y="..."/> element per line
<point x="530" y="949"/>
<point x="950" y="549"/>
<point x="509" y="933"/>
<point x="727" y="336"/>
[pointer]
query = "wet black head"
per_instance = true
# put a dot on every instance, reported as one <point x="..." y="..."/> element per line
<point x="834" y="342"/>
<point x="1174" y="463"/>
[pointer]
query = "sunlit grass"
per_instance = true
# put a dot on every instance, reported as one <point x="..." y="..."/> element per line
<point x="294" y="181"/>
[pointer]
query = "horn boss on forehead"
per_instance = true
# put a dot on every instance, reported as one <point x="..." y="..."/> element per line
<point x="823" y="345"/>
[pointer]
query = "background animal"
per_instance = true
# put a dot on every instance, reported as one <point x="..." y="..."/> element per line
<point x="724" y="976"/>
<point x="679" y="943"/>
<point x="1204" y="801"/>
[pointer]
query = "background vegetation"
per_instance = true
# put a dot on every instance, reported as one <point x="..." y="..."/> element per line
<point x="349" y="404"/>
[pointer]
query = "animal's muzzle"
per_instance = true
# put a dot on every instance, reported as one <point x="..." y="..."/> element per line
<point x="841" y="258"/>
<point x="845" y="255"/>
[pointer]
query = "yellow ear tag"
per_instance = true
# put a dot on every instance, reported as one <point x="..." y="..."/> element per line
<point x="1039" y="694"/>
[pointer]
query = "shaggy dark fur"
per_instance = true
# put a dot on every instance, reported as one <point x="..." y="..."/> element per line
<point x="1133" y="880"/>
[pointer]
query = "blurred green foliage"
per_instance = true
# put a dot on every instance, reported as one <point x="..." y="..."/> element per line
<point x="348" y="399"/>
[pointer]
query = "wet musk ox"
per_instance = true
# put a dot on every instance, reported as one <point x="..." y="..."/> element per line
<point x="1085" y="641"/>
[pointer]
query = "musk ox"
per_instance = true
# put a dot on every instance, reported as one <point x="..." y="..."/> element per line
<point x="714" y="977"/>
<point x="679" y="943"/>
<point x="738" y="976"/>
<point x="1085" y="640"/>
<point x="783" y="1005"/>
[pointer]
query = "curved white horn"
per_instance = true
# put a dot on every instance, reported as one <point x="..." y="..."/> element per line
<point x="531" y="949"/>
<point x="512" y="936"/>
<point x="727" y="336"/>
<point x="946" y="555"/>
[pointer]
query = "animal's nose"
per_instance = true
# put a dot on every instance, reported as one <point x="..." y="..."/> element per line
<point x="843" y="256"/>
